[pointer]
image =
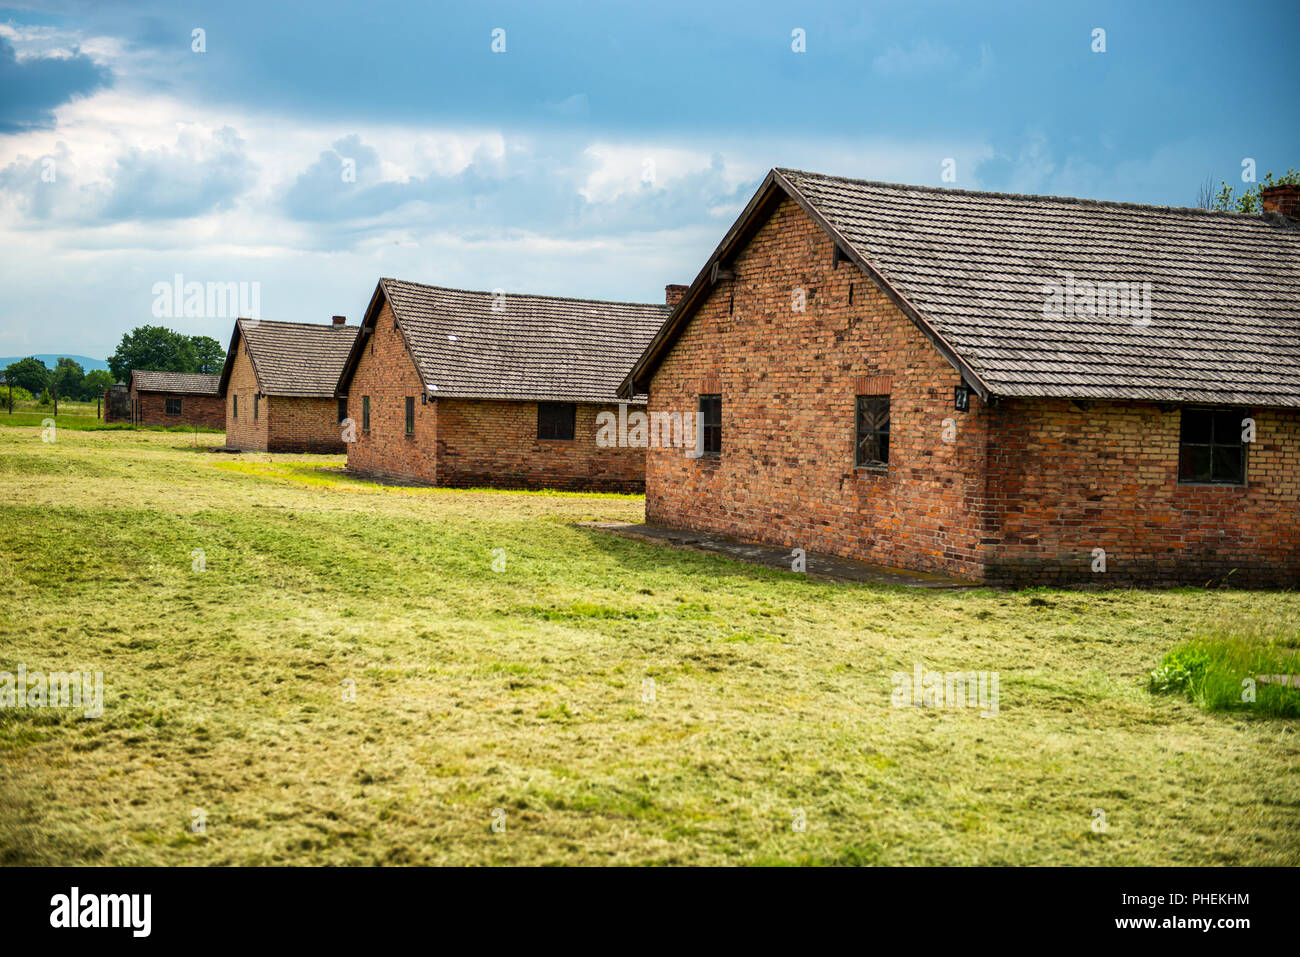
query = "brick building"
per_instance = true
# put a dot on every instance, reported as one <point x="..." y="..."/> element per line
<point x="280" y="383"/>
<point x="458" y="388"/>
<point x="175" y="398"/>
<point x="1010" y="389"/>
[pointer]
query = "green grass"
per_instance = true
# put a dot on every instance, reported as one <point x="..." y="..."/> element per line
<point x="1224" y="669"/>
<point x="620" y="702"/>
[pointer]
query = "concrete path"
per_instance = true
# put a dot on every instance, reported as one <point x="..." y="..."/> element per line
<point x="818" y="564"/>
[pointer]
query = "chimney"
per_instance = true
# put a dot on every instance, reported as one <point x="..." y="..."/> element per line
<point x="673" y="294"/>
<point x="1282" y="199"/>
<point x="339" y="320"/>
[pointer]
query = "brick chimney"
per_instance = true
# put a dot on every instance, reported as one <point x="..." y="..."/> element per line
<point x="673" y="294"/>
<point x="1282" y="199"/>
<point x="340" y="320"/>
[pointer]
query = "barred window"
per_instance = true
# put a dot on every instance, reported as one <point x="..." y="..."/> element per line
<point x="234" y="405"/>
<point x="1211" y="449"/>
<point x="365" y="413"/>
<point x="872" y="432"/>
<point x="410" y="415"/>
<point x="555" y="420"/>
<point x="173" y="407"/>
<point x="711" y="420"/>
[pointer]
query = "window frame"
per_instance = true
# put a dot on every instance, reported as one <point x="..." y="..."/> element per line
<point x="365" y="413"/>
<point x="167" y="405"/>
<point x="234" y="405"/>
<point x="558" y="418"/>
<point x="873" y="465"/>
<point x="1239" y="414"/>
<point x="710" y="427"/>
<point x="410" y="415"/>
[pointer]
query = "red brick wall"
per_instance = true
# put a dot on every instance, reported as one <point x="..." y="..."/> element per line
<point x="1065" y="480"/>
<point x="461" y="442"/>
<point x="386" y="373"/>
<point x="789" y="382"/>
<point x="204" y="411"/>
<point x="303" y="425"/>
<point x="244" y="432"/>
<point x="488" y="443"/>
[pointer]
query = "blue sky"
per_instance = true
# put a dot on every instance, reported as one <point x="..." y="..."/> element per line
<point x="602" y="154"/>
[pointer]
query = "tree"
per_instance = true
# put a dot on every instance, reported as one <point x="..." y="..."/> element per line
<point x="29" y="373"/>
<point x="152" y="347"/>
<point x="209" y="356"/>
<point x="96" y="381"/>
<point x="1249" y="201"/>
<point x="67" y="378"/>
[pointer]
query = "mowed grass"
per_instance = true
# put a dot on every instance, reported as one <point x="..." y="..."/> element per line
<point x="523" y="695"/>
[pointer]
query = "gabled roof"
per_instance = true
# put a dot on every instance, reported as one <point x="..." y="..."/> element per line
<point x="972" y="269"/>
<point x="177" y="383"/>
<point x="526" y="348"/>
<point x="302" y="359"/>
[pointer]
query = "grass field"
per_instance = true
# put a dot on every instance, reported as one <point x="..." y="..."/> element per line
<point x="521" y="695"/>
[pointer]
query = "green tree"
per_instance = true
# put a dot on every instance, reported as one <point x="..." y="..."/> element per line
<point x="67" y="378"/>
<point x="152" y="347"/>
<point x="96" y="381"/>
<point x="1249" y="201"/>
<point x="209" y="356"/>
<point x="29" y="373"/>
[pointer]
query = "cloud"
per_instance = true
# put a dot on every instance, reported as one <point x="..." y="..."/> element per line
<point x="200" y="174"/>
<point x="31" y="87"/>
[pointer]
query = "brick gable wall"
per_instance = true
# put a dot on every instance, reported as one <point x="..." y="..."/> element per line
<point x="386" y="373"/>
<point x="244" y="432"/>
<point x="789" y="382"/>
<point x="204" y="411"/>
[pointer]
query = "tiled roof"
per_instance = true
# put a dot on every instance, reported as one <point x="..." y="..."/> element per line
<point x="178" y="383"/>
<point x="529" y="347"/>
<point x="1224" y="321"/>
<point x="294" y="358"/>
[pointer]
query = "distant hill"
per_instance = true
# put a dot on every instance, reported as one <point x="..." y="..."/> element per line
<point x="50" y="358"/>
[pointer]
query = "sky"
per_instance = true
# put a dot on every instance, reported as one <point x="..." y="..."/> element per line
<point x="594" y="150"/>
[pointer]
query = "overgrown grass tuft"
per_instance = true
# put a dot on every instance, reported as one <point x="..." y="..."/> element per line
<point x="1235" y="667"/>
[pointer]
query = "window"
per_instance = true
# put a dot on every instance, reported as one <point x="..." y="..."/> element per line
<point x="257" y="401"/>
<point x="343" y="409"/>
<point x="365" y="413"/>
<point x="711" y="422"/>
<point x="173" y="406"/>
<point x="872" y="432"/>
<point x="555" y="420"/>
<point x="1211" y="449"/>
<point x="234" y="404"/>
<point x="410" y="415"/>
